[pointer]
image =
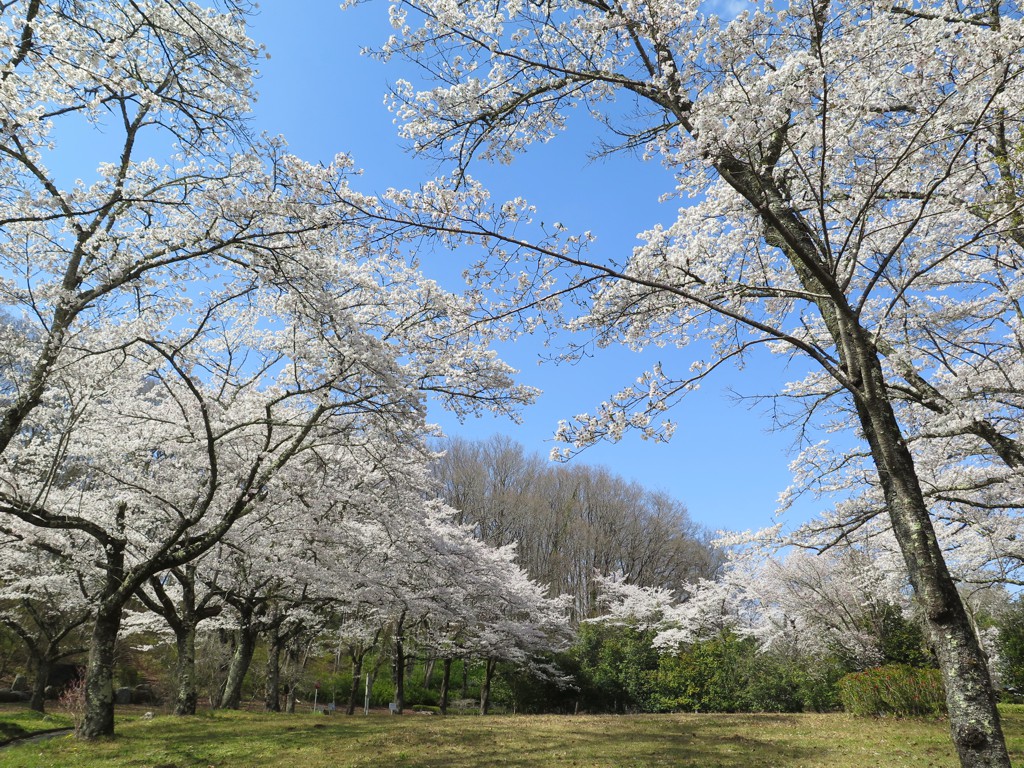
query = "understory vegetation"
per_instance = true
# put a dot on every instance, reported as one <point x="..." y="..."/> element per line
<point x="606" y="668"/>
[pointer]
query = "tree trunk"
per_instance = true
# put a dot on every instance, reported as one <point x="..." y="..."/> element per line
<point x="272" y="700"/>
<point x="446" y="679"/>
<point x="357" y="678"/>
<point x="240" y="662"/>
<point x="185" y="669"/>
<point x="485" y="690"/>
<point x="99" y="676"/>
<point x="371" y="677"/>
<point x="42" y="670"/>
<point x="398" y="670"/>
<point x="973" y="717"/>
<point x="428" y="673"/>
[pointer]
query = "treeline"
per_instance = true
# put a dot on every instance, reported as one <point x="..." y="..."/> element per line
<point x="531" y="587"/>
<point x="572" y="522"/>
<point x="422" y="599"/>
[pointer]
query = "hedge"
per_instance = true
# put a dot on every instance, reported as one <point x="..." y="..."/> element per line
<point x="896" y="689"/>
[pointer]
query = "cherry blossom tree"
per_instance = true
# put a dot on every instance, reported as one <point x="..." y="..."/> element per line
<point x="201" y="314"/>
<point x="513" y="620"/>
<point x="45" y="604"/>
<point x="182" y="598"/>
<point x="851" y="176"/>
<point x="157" y="449"/>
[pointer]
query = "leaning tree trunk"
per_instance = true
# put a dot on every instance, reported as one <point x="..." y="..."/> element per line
<point x="240" y="662"/>
<point x="973" y="717"/>
<point x="99" y="676"/>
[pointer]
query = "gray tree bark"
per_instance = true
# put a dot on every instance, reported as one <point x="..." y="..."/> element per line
<point x="272" y="700"/>
<point x="42" y="672"/>
<point x="240" y="662"/>
<point x="973" y="716"/>
<point x="187" y="697"/>
<point x="99" y="679"/>
<point x="398" y="668"/>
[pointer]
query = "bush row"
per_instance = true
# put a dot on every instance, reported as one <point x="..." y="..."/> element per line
<point x="896" y="689"/>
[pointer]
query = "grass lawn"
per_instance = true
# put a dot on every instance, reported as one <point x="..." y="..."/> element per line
<point x="22" y="722"/>
<point x="251" y="740"/>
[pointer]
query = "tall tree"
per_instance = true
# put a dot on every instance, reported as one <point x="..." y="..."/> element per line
<point x="202" y="313"/>
<point x="569" y="523"/>
<point x="852" y="172"/>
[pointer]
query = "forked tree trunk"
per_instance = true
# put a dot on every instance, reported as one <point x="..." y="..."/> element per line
<point x="973" y="717"/>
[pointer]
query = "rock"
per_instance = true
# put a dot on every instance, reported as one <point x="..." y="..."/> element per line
<point x="62" y="675"/>
<point x="123" y="696"/>
<point x="143" y="694"/>
<point x="20" y="683"/>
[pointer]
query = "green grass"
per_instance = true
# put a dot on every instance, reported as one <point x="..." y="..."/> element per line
<point x="17" y="723"/>
<point x="250" y="740"/>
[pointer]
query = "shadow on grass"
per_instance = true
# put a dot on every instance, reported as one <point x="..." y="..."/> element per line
<point x="270" y="742"/>
<point x="234" y="740"/>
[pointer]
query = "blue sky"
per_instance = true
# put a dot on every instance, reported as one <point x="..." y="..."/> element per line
<point x="324" y="97"/>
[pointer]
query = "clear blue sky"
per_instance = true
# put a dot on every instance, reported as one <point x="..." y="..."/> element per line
<point x="324" y="97"/>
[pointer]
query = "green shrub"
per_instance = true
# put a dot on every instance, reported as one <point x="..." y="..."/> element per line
<point x="709" y="676"/>
<point x="521" y="690"/>
<point x="415" y="693"/>
<point x="819" y="686"/>
<point x="774" y="684"/>
<point x="902" y="640"/>
<point x="612" y="666"/>
<point x="1010" y="651"/>
<point x="896" y="689"/>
